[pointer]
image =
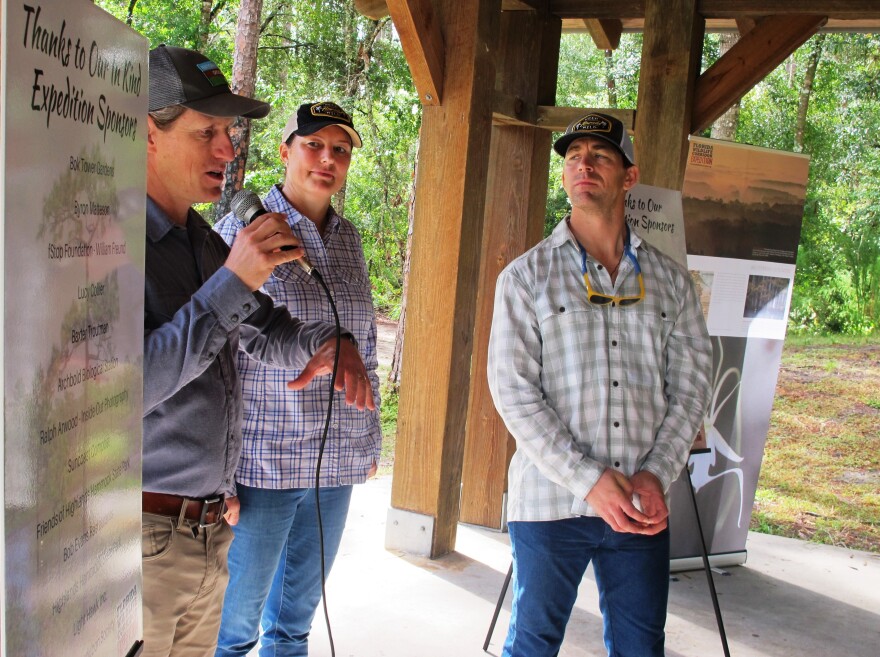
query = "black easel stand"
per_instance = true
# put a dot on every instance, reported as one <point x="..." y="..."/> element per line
<point x="498" y="607"/>
<point x="706" y="567"/>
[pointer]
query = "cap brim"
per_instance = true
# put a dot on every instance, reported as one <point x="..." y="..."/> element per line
<point x="230" y="104"/>
<point x="320" y="125"/>
<point x="561" y="145"/>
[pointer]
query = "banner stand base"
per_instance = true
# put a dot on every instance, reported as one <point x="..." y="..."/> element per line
<point x="715" y="560"/>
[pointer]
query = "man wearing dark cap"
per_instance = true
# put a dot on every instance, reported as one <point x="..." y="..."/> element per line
<point x="599" y="363"/>
<point x="201" y="302"/>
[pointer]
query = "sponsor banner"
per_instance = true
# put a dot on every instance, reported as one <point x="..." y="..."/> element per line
<point x="743" y="208"/>
<point x="74" y="106"/>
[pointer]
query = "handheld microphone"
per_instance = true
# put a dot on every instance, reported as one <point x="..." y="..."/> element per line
<point x="247" y="206"/>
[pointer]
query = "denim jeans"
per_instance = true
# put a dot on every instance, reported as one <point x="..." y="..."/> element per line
<point x="275" y="568"/>
<point x="549" y="561"/>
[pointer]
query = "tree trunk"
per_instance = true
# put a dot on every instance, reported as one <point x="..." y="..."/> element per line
<point x="610" y="84"/>
<point x="204" y="24"/>
<point x="725" y="126"/>
<point x="130" y="16"/>
<point x="806" y="91"/>
<point x="244" y="82"/>
<point x="397" y="358"/>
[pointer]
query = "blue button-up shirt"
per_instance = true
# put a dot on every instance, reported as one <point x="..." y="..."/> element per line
<point x="282" y="429"/>
<point x="195" y="314"/>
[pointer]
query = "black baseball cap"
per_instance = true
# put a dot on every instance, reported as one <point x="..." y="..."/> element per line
<point x="179" y="76"/>
<point x="311" y="117"/>
<point x="601" y="126"/>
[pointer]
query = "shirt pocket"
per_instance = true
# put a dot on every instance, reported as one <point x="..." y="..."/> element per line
<point x="645" y="331"/>
<point x="354" y="300"/>
<point x="290" y="272"/>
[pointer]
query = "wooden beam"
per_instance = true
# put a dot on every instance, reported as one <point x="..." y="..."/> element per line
<point x="514" y="110"/>
<point x="558" y="118"/>
<point x="376" y="9"/>
<point x="845" y="9"/>
<point x="372" y="9"/>
<point x="447" y="231"/>
<point x="637" y="25"/>
<point x="745" y="25"/>
<point x="516" y="198"/>
<point x="840" y="9"/>
<point x="605" y="32"/>
<point x="508" y="109"/>
<point x="422" y="45"/>
<point x="671" y="53"/>
<point x="747" y="63"/>
<point x="522" y="5"/>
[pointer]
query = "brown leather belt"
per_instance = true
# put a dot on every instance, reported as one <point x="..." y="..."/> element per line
<point x="206" y="512"/>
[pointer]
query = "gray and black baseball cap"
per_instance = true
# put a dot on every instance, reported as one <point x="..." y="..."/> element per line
<point x="179" y="76"/>
<point x="601" y="126"/>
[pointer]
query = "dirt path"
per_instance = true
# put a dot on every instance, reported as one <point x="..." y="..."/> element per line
<point x="386" y="334"/>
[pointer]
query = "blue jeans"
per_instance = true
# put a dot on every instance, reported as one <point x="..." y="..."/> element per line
<point x="549" y="561"/>
<point x="275" y="568"/>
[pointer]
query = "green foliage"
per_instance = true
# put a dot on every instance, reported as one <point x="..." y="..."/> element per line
<point x="836" y="288"/>
<point x="323" y="49"/>
<point x="314" y="50"/>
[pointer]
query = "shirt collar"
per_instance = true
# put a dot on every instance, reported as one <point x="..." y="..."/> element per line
<point x="159" y="224"/>
<point x="562" y="234"/>
<point x="277" y="202"/>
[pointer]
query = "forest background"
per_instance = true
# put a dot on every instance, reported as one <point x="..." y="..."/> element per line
<point x="824" y="100"/>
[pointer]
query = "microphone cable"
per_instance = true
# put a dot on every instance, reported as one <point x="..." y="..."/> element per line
<point x="247" y="206"/>
<point x="317" y="276"/>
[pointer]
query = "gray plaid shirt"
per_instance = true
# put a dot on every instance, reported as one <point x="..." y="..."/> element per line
<point x="583" y="387"/>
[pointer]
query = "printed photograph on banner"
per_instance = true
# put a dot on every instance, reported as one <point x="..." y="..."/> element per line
<point x="743" y="201"/>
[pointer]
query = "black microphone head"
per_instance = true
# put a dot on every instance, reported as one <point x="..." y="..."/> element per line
<point x="247" y="206"/>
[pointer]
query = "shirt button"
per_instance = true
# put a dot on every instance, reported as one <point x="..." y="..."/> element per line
<point x="616" y="424"/>
<point x="615" y="384"/>
<point x="234" y="318"/>
<point x="247" y="307"/>
<point x="599" y="267"/>
<point x="613" y="303"/>
<point x="614" y="343"/>
<point x="562" y="309"/>
<point x="663" y="315"/>
<point x="210" y="355"/>
<point x="617" y="464"/>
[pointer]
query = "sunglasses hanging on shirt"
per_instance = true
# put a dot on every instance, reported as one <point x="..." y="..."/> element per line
<point x="600" y="299"/>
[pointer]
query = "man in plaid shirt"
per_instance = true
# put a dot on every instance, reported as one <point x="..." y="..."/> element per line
<point x="599" y="364"/>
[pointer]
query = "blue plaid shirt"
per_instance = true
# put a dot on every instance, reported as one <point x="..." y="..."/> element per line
<point x="282" y="428"/>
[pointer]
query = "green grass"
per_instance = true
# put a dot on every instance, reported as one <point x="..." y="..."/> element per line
<point x="820" y="477"/>
<point x="388" y="420"/>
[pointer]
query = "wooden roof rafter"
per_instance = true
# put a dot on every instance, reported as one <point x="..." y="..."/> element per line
<point x="758" y="52"/>
<point x="422" y="45"/>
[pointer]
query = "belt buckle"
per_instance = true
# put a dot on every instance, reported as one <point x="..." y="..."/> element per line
<point x="205" y="504"/>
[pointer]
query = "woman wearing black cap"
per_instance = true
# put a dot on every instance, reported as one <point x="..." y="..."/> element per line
<point x="275" y="559"/>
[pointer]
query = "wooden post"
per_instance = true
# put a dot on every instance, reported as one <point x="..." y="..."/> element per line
<point x="516" y="197"/>
<point x="671" y="53"/>
<point x="450" y="199"/>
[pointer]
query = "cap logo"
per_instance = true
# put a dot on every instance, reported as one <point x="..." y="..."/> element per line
<point x="330" y="111"/>
<point x="213" y="73"/>
<point x="592" y="123"/>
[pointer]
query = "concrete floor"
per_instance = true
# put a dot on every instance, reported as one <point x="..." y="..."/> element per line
<point x="790" y="598"/>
